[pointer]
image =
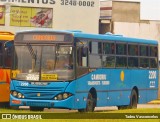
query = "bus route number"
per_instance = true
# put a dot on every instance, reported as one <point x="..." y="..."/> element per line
<point x="152" y="74"/>
<point x="78" y="3"/>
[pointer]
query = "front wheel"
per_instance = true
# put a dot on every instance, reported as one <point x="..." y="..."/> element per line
<point x="90" y="104"/>
<point x="36" y="108"/>
<point x="133" y="100"/>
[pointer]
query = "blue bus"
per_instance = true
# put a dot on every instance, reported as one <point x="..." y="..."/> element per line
<point x="81" y="71"/>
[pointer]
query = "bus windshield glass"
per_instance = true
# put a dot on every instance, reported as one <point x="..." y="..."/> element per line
<point x="44" y="62"/>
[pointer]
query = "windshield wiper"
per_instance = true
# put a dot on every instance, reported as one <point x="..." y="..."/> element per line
<point x="31" y="51"/>
<point x="33" y="54"/>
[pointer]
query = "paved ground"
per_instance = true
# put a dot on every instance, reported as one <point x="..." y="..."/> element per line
<point x="112" y="108"/>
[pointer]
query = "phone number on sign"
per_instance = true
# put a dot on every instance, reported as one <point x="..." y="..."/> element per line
<point x="78" y="3"/>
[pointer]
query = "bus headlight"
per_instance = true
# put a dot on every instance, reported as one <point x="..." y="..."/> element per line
<point x="65" y="96"/>
<point x="59" y="97"/>
<point x="14" y="94"/>
<point x="62" y="96"/>
<point x="17" y="94"/>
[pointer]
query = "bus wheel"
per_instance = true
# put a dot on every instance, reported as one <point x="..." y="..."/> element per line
<point x="36" y="108"/>
<point x="133" y="100"/>
<point x="4" y="105"/>
<point x="90" y="104"/>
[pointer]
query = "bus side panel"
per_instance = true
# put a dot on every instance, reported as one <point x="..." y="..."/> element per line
<point x="113" y="90"/>
<point x="119" y="88"/>
<point x="71" y="89"/>
<point x="81" y="91"/>
<point x="140" y="80"/>
<point x="97" y="80"/>
<point x="4" y="85"/>
<point x="147" y="86"/>
<point x="117" y="91"/>
<point x="152" y="95"/>
<point x="153" y="83"/>
<point x="146" y="96"/>
<point x="118" y="98"/>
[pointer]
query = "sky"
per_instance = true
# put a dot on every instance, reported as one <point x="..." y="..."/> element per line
<point x="150" y="9"/>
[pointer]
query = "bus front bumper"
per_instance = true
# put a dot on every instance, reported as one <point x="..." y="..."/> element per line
<point x="67" y="103"/>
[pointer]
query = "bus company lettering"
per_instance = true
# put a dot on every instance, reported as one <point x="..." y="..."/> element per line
<point x="98" y="76"/>
<point x="31" y="1"/>
<point x="94" y="83"/>
<point x="98" y="79"/>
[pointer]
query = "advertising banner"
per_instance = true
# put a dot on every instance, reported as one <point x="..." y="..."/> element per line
<point x="31" y="17"/>
<point x="2" y="15"/>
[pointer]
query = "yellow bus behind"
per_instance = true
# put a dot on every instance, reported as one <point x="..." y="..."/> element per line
<point x="5" y="65"/>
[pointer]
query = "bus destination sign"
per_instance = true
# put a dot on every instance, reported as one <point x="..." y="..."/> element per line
<point x="43" y="37"/>
<point x="35" y="37"/>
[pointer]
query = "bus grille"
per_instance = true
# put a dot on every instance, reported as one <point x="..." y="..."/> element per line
<point x="40" y="92"/>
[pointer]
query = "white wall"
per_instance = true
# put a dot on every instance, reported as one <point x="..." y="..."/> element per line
<point x="148" y="30"/>
<point x="70" y="17"/>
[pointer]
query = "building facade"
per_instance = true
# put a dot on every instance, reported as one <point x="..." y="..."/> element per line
<point x="18" y="15"/>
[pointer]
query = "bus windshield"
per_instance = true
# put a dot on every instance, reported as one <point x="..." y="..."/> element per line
<point x="43" y="62"/>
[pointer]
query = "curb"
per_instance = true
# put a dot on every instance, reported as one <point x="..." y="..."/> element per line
<point x="154" y="102"/>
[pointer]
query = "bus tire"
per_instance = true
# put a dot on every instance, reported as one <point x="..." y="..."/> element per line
<point x="133" y="99"/>
<point x="4" y="105"/>
<point x="36" y="108"/>
<point x="90" y="104"/>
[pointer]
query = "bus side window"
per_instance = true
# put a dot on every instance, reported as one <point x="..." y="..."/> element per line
<point x="153" y="51"/>
<point x="121" y="61"/>
<point x="8" y="52"/>
<point x="95" y="57"/>
<point x="109" y="48"/>
<point x="143" y="50"/>
<point x="95" y="47"/>
<point x="82" y="53"/>
<point x="133" y="50"/>
<point x="1" y="55"/>
<point x="108" y="61"/>
<point x="133" y="62"/>
<point x="144" y="62"/>
<point x="82" y="58"/>
<point x="153" y="63"/>
<point x="121" y="49"/>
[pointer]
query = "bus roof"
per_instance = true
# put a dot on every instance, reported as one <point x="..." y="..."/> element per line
<point x="6" y="36"/>
<point x="113" y="37"/>
<point x="103" y="37"/>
